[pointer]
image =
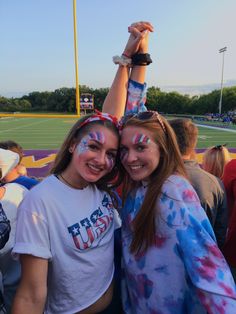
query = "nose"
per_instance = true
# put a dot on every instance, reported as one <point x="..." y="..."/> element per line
<point x="101" y="158"/>
<point x="131" y="156"/>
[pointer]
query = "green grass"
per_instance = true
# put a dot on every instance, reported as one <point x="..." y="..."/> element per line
<point x="211" y="137"/>
<point x="36" y="133"/>
<point x="49" y="133"/>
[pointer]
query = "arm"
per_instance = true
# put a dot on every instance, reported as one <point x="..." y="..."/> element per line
<point x="221" y="220"/>
<point x="32" y="291"/>
<point x="136" y="96"/>
<point x="204" y="263"/>
<point x="116" y="99"/>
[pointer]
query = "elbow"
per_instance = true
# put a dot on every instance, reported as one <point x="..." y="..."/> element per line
<point x="29" y="301"/>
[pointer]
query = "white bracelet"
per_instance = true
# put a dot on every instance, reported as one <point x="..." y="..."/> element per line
<point x="122" y="60"/>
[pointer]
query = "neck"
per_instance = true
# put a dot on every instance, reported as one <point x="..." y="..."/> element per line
<point x="70" y="182"/>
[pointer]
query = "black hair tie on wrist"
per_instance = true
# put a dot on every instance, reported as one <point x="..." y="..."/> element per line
<point x="141" y="59"/>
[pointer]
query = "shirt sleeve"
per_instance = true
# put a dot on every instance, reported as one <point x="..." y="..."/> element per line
<point x="136" y="98"/>
<point x="221" y="221"/>
<point x="32" y="234"/>
<point x="204" y="263"/>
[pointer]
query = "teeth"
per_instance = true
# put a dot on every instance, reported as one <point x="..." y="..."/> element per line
<point x="135" y="167"/>
<point x="94" y="168"/>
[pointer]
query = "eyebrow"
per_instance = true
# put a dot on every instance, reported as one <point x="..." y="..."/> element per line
<point x="97" y="141"/>
<point x="100" y="143"/>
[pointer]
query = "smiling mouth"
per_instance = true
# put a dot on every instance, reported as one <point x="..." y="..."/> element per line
<point x="136" y="167"/>
<point x="94" y="168"/>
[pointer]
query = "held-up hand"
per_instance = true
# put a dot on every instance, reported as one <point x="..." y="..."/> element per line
<point x="138" y="40"/>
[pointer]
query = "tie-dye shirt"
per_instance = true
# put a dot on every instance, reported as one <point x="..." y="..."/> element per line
<point x="136" y="98"/>
<point x="184" y="272"/>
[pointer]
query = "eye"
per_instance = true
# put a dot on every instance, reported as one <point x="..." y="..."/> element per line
<point x="93" y="147"/>
<point x="140" y="148"/>
<point x="123" y="150"/>
<point x="111" y="155"/>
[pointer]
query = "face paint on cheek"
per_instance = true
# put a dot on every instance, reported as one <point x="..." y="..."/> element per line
<point x="82" y="147"/>
<point x="110" y="163"/>
<point x="140" y="138"/>
<point x="123" y="155"/>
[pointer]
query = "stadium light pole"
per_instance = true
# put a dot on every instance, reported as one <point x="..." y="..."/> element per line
<point x="77" y="96"/>
<point x="222" y="50"/>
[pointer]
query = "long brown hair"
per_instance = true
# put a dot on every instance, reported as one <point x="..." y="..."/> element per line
<point x="64" y="156"/>
<point x="144" y="226"/>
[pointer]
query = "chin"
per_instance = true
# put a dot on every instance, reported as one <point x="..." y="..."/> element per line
<point x="93" y="178"/>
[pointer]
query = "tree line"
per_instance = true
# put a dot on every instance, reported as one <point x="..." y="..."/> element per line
<point x="63" y="100"/>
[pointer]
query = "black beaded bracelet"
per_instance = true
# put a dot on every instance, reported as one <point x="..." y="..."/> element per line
<point x="141" y="59"/>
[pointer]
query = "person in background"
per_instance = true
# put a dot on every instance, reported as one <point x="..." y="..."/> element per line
<point x="229" y="180"/>
<point x="18" y="174"/>
<point x="5" y="229"/>
<point x="209" y="188"/>
<point x="214" y="160"/>
<point x="11" y="194"/>
<point x="170" y="256"/>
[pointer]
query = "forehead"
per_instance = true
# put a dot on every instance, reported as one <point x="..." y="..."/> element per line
<point x="130" y="132"/>
<point x="106" y="133"/>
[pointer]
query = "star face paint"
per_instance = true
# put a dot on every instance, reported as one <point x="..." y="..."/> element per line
<point x="83" y="146"/>
<point x="95" y="155"/>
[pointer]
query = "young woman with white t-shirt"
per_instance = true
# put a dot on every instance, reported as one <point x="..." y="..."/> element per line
<point x="65" y="229"/>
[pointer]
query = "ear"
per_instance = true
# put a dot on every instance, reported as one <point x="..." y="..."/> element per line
<point x="72" y="147"/>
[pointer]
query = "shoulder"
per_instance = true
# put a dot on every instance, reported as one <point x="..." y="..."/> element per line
<point x="230" y="168"/>
<point x="40" y="191"/>
<point x="204" y="182"/>
<point x="13" y="190"/>
<point x="179" y="188"/>
<point x="26" y="181"/>
<point x="179" y="201"/>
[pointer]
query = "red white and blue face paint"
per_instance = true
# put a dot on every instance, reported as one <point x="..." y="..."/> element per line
<point x="89" y="142"/>
<point x="137" y="139"/>
<point x="139" y="153"/>
<point x="94" y="155"/>
<point x="83" y="146"/>
<point x="141" y="139"/>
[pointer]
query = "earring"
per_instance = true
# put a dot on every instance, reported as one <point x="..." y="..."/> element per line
<point x="71" y="150"/>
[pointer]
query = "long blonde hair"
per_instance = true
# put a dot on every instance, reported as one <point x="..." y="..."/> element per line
<point x="144" y="227"/>
<point x="214" y="160"/>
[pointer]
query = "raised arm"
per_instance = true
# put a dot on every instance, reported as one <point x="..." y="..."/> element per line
<point x="115" y="101"/>
<point x="32" y="291"/>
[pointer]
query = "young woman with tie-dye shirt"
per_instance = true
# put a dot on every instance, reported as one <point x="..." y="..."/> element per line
<point x="171" y="263"/>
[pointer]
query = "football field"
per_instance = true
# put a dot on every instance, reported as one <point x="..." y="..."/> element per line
<point x="48" y="133"/>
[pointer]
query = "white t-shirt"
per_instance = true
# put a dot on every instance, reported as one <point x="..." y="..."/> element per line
<point x="74" y="230"/>
<point x="14" y="194"/>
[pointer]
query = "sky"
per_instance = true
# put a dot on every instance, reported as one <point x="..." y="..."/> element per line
<point x="37" y="43"/>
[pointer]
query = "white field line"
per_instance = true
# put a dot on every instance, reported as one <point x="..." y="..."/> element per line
<point x="216" y="128"/>
<point x="23" y="126"/>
